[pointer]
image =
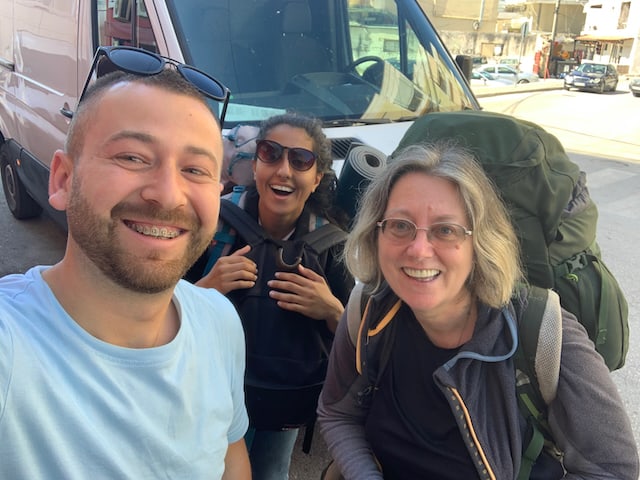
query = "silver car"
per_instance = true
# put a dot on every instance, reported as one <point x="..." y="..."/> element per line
<point x="507" y="72"/>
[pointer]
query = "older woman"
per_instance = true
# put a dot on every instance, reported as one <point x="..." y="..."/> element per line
<point x="434" y="245"/>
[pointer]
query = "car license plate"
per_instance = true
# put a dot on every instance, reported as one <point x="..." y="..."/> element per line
<point x="579" y="84"/>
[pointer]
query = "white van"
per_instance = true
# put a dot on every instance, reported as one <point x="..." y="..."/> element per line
<point x="367" y="68"/>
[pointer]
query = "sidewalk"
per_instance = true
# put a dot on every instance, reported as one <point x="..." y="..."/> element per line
<point x="543" y="84"/>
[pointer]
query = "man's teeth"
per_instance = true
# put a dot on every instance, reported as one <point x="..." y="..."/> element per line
<point x="155" y="231"/>
<point x="419" y="273"/>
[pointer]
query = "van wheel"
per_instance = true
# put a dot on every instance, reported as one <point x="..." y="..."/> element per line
<point x="20" y="203"/>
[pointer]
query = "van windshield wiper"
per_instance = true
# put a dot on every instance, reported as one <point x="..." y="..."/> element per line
<point x="348" y="122"/>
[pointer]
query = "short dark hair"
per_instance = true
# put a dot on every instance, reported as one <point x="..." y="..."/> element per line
<point x="168" y="79"/>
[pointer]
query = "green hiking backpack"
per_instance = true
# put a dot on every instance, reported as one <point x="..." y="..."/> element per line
<point x="537" y="361"/>
<point x="553" y="215"/>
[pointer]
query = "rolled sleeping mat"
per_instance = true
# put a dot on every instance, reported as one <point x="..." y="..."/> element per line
<point x="361" y="164"/>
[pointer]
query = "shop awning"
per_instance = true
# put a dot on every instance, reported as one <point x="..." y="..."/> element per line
<point x="603" y="38"/>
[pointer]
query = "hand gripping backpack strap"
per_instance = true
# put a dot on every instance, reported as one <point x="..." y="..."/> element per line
<point x="537" y="368"/>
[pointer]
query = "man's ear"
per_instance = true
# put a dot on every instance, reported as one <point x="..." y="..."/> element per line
<point x="60" y="180"/>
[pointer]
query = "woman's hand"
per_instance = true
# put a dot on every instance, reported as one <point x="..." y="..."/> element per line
<point x="231" y="272"/>
<point x="306" y="293"/>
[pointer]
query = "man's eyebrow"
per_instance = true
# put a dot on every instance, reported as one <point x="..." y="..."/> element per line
<point x="131" y="134"/>
<point x="149" y="139"/>
<point x="193" y="150"/>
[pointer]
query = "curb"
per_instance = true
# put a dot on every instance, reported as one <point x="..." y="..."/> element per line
<point x="542" y="85"/>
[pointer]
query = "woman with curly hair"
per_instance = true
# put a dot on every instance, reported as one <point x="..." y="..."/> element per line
<point x="287" y="313"/>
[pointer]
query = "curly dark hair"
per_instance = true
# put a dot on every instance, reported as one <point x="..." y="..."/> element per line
<point x="322" y="202"/>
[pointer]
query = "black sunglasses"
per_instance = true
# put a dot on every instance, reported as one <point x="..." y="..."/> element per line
<point x="143" y="62"/>
<point x="271" y="152"/>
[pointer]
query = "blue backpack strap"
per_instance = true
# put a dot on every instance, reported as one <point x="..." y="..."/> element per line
<point x="226" y="235"/>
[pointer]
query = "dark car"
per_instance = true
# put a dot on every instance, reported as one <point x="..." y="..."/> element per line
<point x="634" y="86"/>
<point x="596" y="77"/>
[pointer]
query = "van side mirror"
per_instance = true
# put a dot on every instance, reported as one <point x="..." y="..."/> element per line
<point x="465" y="62"/>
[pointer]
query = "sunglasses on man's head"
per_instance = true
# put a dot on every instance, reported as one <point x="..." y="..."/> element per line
<point x="271" y="152"/>
<point x="145" y="63"/>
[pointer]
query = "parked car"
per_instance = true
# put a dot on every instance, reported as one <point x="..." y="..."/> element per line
<point x="507" y="72"/>
<point x="478" y="60"/>
<point x="592" y="76"/>
<point x="634" y="86"/>
<point x="511" y="61"/>
<point x="485" y="79"/>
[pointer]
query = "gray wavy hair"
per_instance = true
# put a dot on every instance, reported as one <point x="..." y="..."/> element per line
<point x="497" y="267"/>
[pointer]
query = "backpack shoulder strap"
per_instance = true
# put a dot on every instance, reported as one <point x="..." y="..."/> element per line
<point x="540" y="340"/>
<point x="235" y="221"/>
<point x="325" y="237"/>
<point x="354" y="312"/>
<point x="537" y="361"/>
<point x="373" y="346"/>
<point x="242" y="222"/>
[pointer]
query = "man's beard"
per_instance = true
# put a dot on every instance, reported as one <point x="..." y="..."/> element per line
<point x="98" y="239"/>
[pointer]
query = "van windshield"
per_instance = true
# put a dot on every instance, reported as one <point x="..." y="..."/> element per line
<point x="341" y="61"/>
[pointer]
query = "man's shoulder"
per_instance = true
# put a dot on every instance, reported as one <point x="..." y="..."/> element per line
<point x="16" y="285"/>
<point x="204" y="301"/>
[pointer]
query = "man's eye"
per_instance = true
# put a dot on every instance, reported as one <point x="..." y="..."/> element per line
<point x="195" y="171"/>
<point x="130" y="160"/>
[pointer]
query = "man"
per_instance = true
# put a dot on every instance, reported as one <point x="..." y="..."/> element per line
<point x="110" y="365"/>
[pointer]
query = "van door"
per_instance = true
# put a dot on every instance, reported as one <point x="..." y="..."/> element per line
<point x="39" y="78"/>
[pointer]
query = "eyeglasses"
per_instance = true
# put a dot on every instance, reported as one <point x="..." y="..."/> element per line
<point x="441" y="235"/>
<point x="271" y="152"/>
<point x="146" y="63"/>
<point x="232" y="136"/>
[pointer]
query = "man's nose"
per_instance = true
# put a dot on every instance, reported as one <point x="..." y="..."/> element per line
<point x="165" y="186"/>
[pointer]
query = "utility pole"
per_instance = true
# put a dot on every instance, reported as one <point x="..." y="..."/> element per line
<point x="554" y="31"/>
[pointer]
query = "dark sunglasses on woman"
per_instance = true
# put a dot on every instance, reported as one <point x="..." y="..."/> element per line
<point x="145" y="63"/>
<point x="271" y="152"/>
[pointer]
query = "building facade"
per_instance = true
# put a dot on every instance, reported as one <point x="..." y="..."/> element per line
<point x="548" y="37"/>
